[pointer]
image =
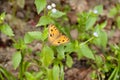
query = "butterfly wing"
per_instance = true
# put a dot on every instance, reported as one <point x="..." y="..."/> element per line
<point x="53" y="33"/>
<point x="60" y="40"/>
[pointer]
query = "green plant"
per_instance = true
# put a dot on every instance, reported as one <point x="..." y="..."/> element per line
<point x="4" y="27"/>
<point x="114" y="13"/>
<point x="113" y="61"/>
<point x="50" y="59"/>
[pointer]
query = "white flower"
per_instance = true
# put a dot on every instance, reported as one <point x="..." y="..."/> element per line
<point x="95" y="11"/>
<point x="95" y="34"/>
<point x="54" y="10"/>
<point x="49" y="7"/>
<point x="53" y="5"/>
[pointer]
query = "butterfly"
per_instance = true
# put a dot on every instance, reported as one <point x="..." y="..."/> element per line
<point x="55" y="37"/>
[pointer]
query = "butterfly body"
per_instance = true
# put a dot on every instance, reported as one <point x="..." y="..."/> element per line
<point x="55" y="37"/>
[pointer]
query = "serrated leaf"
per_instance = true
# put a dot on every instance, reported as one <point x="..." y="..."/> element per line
<point x="84" y="49"/>
<point x="40" y="5"/>
<point x="6" y="29"/>
<point x="16" y="59"/>
<point x="30" y="36"/>
<point x="47" y="56"/>
<point x="44" y="20"/>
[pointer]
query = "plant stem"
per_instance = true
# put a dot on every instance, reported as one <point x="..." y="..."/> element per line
<point x="21" y="66"/>
<point x="87" y="41"/>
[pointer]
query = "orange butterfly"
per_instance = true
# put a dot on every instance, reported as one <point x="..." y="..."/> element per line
<point x="55" y="37"/>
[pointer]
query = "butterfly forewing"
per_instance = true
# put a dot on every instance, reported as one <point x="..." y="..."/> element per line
<point x="53" y="33"/>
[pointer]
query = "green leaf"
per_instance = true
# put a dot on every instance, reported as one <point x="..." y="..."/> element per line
<point x="39" y="75"/>
<point x="49" y="74"/>
<point x="44" y="20"/>
<point x="57" y="14"/>
<point x="30" y="76"/>
<point x="6" y="74"/>
<point x="20" y="45"/>
<point x="26" y="65"/>
<point x="101" y="40"/>
<point x="16" y="59"/>
<point x="99" y="9"/>
<point x="44" y="34"/>
<point x="61" y="52"/>
<point x="85" y="50"/>
<point x="40" y="5"/>
<point x="103" y="25"/>
<point x="118" y="22"/>
<point x="98" y="61"/>
<point x="93" y="75"/>
<point x="30" y="36"/>
<point x="118" y="6"/>
<point x="113" y="12"/>
<point x="61" y="72"/>
<point x="113" y="74"/>
<point x="47" y="56"/>
<point x="90" y="22"/>
<point x="69" y="61"/>
<point x="6" y="29"/>
<point x="70" y="47"/>
<point x="56" y="71"/>
<point x="78" y="51"/>
<point x="79" y="54"/>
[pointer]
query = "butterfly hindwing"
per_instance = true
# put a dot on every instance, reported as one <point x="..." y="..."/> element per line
<point x="61" y="40"/>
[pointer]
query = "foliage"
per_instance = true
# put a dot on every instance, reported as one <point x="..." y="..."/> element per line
<point x="50" y="58"/>
<point x="5" y="28"/>
<point x="114" y="12"/>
